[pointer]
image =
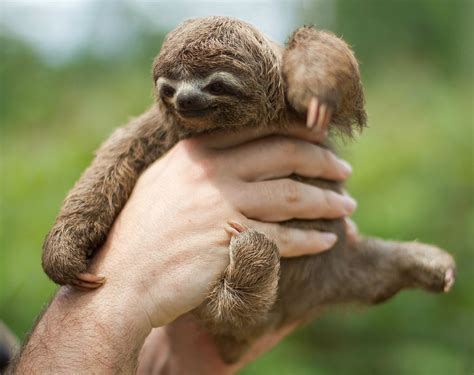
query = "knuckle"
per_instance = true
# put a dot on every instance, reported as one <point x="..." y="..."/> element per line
<point x="289" y="147"/>
<point x="237" y="197"/>
<point x="333" y="202"/>
<point x="292" y="192"/>
<point x="214" y="198"/>
<point x="205" y="168"/>
<point x="327" y="158"/>
<point x="284" y="237"/>
<point x="199" y="164"/>
<point x="327" y="201"/>
<point x="187" y="144"/>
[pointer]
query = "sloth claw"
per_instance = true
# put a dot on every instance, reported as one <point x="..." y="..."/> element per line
<point x="87" y="281"/>
<point x="318" y="114"/>
<point x="448" y="280"/>
<point x="234" y="228"/>
<point x="312" y="116"/>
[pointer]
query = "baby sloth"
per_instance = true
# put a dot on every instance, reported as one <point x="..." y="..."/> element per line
<point x="219" y="72"/>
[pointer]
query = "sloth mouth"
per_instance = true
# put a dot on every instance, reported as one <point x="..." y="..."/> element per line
<point x="190" y="113"/>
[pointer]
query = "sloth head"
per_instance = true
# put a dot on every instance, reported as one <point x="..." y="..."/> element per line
<point x="218" y="72"/>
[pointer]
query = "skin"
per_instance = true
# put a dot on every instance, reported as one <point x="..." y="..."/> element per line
<point x="105" y="329"/>
<point x="182" y="347"/>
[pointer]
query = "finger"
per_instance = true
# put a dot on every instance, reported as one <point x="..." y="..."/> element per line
<point x="293" y="242"/>
<point x="280" y="156"/>
<point x="221" y="139"/>
<point x="285" y="199"/>
<point x="300" y="132"/>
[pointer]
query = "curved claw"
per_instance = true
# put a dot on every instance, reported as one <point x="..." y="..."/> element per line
<point x="322" y="115"/>
<point x="87" y="281"/>
<point x="328" y="117"/>
<point x="312" y="116"/>
<point x="234" y="228"/>
<point x="319" y="114"/>
<point x="448" y="280"/>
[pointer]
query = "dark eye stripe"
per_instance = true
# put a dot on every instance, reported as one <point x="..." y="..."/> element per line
<point x="167" y="91"/>
<point x="219" y="87"/>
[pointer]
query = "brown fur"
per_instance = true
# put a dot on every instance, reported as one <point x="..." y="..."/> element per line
<point x="258" y="292"/>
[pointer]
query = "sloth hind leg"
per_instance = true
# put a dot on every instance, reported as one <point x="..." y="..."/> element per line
<point x="372" y="270"/>
<point x="241" y="300"/>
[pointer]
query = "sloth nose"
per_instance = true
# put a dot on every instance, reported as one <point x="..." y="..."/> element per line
<point x="190" y="101"/>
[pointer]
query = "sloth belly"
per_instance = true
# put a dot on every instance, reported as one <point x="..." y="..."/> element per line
<point x="301" y="289"/>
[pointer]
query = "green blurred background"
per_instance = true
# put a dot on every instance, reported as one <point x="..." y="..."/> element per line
<point x="67" y="82"/>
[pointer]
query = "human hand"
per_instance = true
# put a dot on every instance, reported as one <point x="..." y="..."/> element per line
<point x="185" y="347"/>
<point x="180" y="206"/>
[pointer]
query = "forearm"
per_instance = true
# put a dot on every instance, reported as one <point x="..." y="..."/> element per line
<point x="84" y="333"/>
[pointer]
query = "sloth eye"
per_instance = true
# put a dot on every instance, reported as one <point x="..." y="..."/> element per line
<point x="216" y="88"/>
<point x="167" y="91"/>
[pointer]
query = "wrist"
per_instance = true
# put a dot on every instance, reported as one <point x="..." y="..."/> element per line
<point x="106" y="316"/>
<point x="127" y="289"/>
<point x="112" y="308"/>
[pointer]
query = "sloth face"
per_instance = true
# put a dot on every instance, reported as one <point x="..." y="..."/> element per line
<point x="218" y="100"/>
<point x="218" y="72"/>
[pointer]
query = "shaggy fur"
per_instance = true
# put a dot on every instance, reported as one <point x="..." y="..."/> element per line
<point x="258" y="292"/>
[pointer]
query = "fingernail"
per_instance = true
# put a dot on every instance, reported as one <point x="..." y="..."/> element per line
<point x="346" y="167"/>
<point x="328" y="238"/>
<point x="349" y="205"/>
